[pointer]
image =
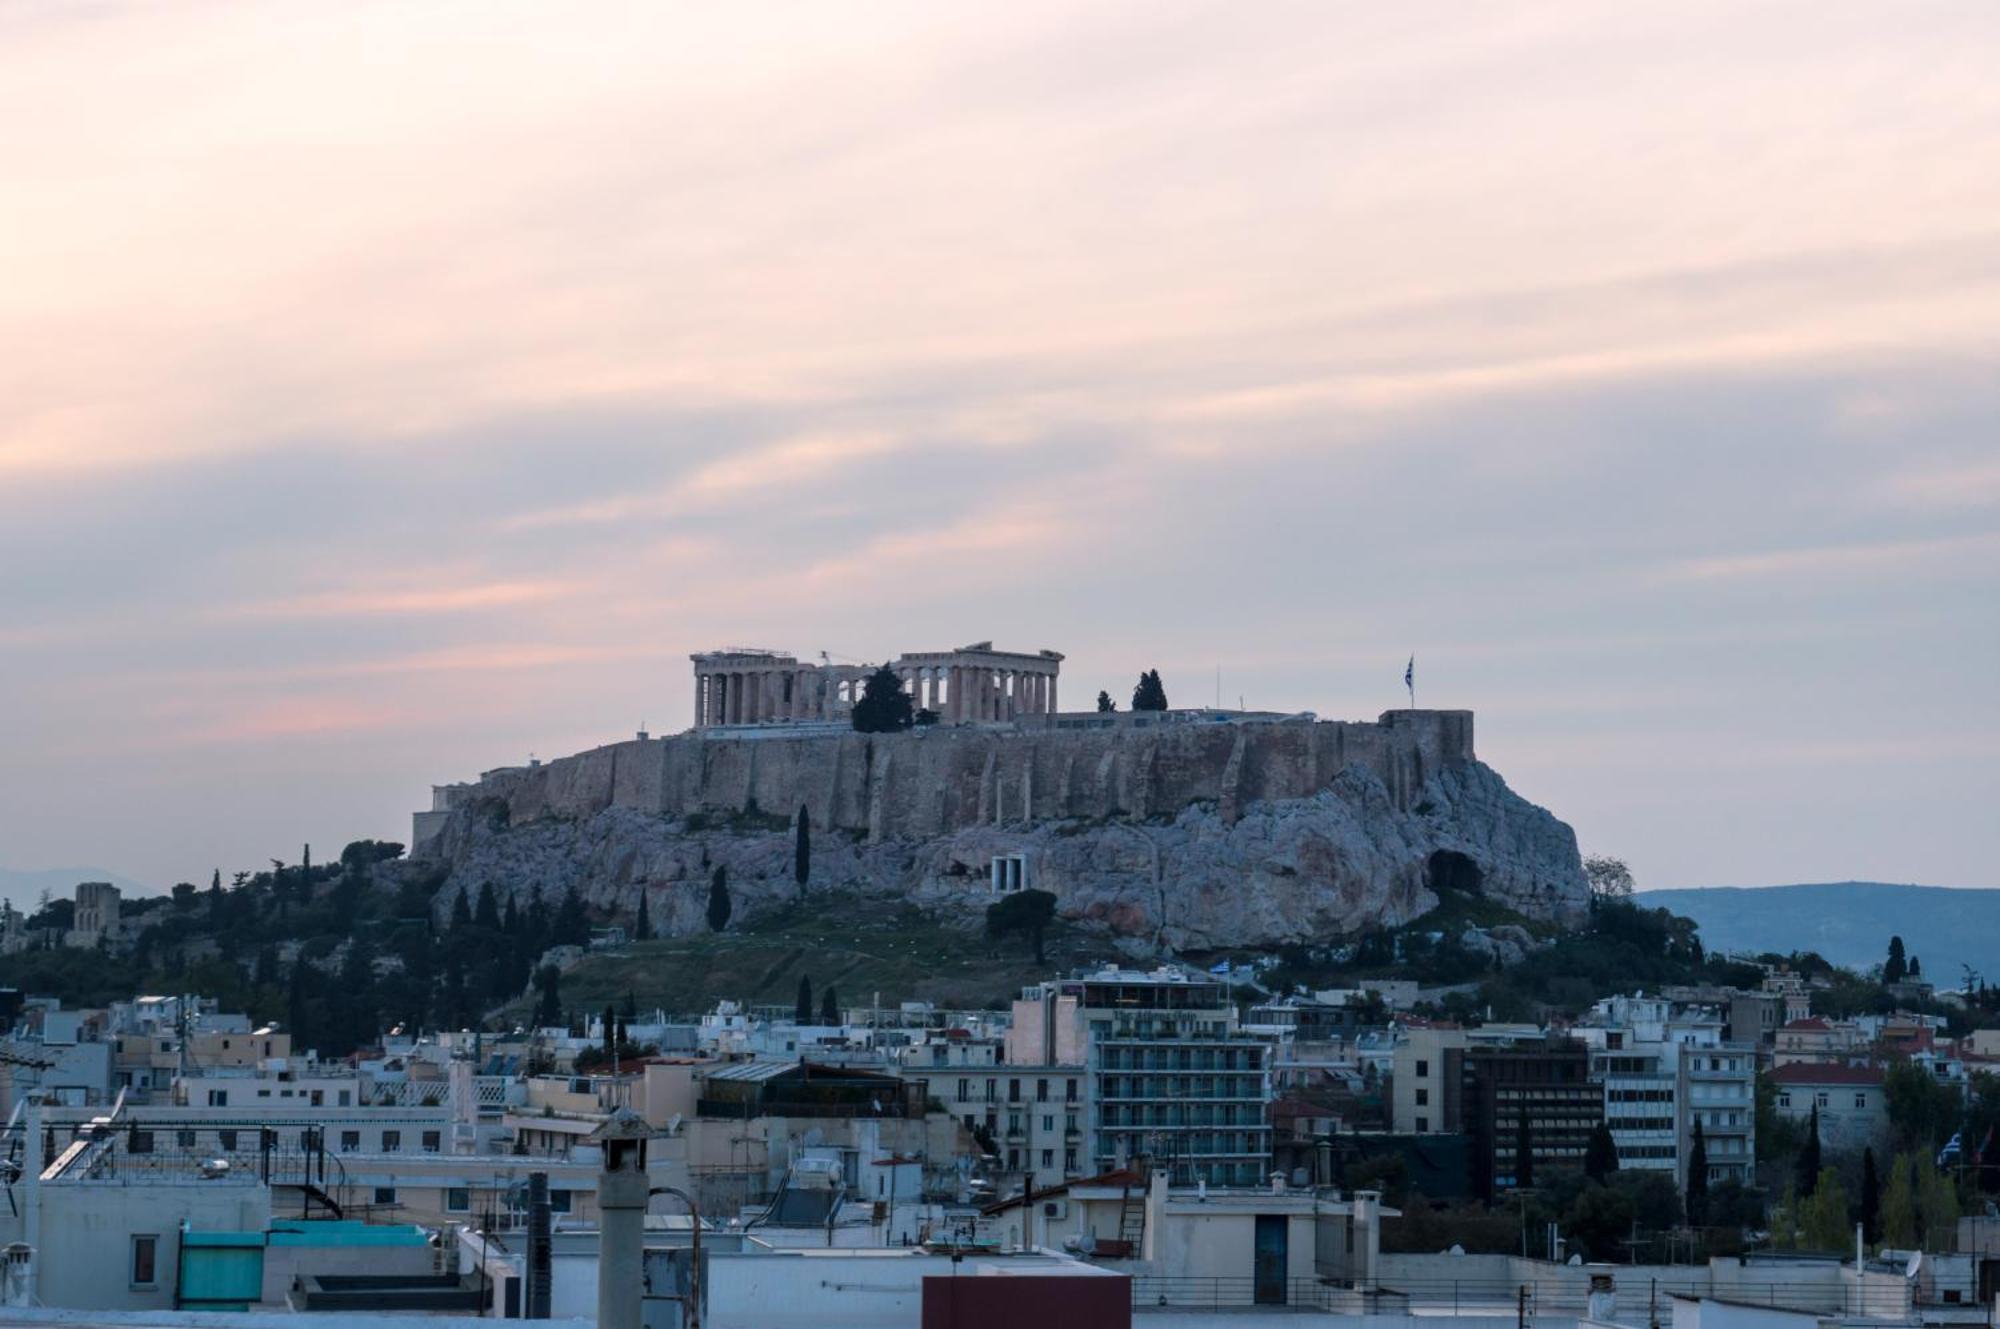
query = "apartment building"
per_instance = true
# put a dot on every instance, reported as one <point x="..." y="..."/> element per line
<point x="1168" y="1070"/>
<point x="1543" y="1094"/>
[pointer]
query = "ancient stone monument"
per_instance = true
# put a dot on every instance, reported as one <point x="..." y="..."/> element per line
<point x="973" y="684"/>
<point x="1167" y="830"/>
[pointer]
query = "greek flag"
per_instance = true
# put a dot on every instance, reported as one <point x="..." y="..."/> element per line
<point x="1410" y="673"/>
<point x="1951" y="1148"/>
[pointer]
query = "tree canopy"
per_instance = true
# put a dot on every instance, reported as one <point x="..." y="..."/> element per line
<point x="1150" y="694"/>
<point x="885" y="707"/>
<point x="1027" y="913"/>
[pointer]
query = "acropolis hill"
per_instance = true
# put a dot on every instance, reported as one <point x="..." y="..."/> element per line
<point x="1170" y="830"/>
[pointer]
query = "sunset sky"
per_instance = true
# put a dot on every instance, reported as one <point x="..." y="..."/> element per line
<point x="390" y="391"/>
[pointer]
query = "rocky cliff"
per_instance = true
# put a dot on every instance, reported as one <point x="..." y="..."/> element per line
<point x="1166" y="837"/>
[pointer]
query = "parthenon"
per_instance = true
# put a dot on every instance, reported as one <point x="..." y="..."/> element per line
<point x="972" y="685"/>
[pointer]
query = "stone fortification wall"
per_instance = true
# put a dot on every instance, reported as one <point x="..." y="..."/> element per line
<point x="926" y="783"/>
<point x="1166" y="835"/>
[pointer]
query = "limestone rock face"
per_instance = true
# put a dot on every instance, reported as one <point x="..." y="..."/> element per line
<point x="1354" y="854"/>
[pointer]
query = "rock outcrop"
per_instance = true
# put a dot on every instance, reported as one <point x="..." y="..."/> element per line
<point x="1252" y="834"/>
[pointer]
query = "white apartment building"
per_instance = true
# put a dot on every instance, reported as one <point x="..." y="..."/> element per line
<point x="1167" y="1071"/>
<point x="1664" y="1066"/>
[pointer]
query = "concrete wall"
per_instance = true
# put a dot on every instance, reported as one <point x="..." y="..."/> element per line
<point x="923" y="783"/>
<point x="84" y="1254"/>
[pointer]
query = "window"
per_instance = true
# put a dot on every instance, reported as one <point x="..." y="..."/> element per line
<point x="145" y="1260"/>
<point x="385" y="1195"/>
<point x="350" y="1141"/>
<point x="1820" y="1099"/>
<point x="964" y="1091"/>
<point x="433" y="1141"/>
<point x="185" y="1139"/>
<point x="1423" y="1098"/>
<point x="1069" y="1123"/>
<point x="457" y="1200"/>
<point x="1048" y="1158"/>
<point x="347" y="1098"/>
<point x="1048" y="1122"/>
<point x="139" y="1142"/>
<point x="392" y="1142"/>
<point x="1784" y="1100"/>
<point x="1069" y="1160"/>
<point x="559" y="1202"/>
<point x="1069" y="1091"/>
<point x="218" y="1098"/>
<point x="992" y="1091"/>
<point x="1423" y="1124"/>
<point x="319" y="1098"/>
<point x="1013" y="1160"/>
<point x="1013" y="1091"/>
<point x="1041" y="1091"/>
<point x="227" y="1139"/>
<point x="1423" y="1068"/>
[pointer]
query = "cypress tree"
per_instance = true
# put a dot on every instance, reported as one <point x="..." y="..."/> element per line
<point x="1894" y="968"/>
<point x="1806" y="1172"/>
<point x="802" y="850"/>
<point x="829" y="1007"/>
<point x="461" y="911"/>
<point x="642" y="926"/>
<point x="1104" y="703"/>
<point x="802" y="1010"/>
<point x="719" y="906"/>
<point x="1697" y="1187"/>
<point x="548" y="1011"/>
<point x="1600" y="1156"/>
<point x="487" y="912"/>
<point x="610" y="1034"/>
<point x="1871" y="1197"/>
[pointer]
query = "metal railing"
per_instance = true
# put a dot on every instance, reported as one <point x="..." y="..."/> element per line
<point x="1552" y="1296"/>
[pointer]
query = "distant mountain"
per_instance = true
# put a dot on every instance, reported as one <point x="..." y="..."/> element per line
<point x="23" y="887"/>
<point x="1850" y="923"/>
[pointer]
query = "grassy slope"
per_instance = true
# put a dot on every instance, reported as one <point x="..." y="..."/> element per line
<point x="861" y="947"/>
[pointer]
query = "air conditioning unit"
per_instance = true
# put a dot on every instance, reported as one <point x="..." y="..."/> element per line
<point x="1055" y="1209"/>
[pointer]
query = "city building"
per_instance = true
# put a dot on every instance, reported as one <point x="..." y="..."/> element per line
<point x="1542" y="1096"/>
<point x="1172" y="1077"/>
<point x="1853" y="1109"/>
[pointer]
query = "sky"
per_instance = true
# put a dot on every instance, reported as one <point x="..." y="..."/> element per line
<point x="391" y="391"/>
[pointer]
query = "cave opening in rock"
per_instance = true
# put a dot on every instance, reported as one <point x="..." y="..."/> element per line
<point x="1449" y="870"/>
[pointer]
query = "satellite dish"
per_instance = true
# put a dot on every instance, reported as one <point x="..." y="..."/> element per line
<point x="1916" y="1263"/>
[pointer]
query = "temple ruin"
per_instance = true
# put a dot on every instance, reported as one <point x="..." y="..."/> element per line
<point x="974" y="684"/>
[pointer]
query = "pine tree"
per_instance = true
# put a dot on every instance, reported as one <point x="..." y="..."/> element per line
<point x="1151" y="694"/>
<point x="719" y="906"/>
<point x="1806" y="1170"/>
<point x="1104" y="703"/>
<point x="1697" y="1183"/>
<point x="461" y="911"/>
<point x="1895" y="967"/>
<point x="802" y="1010"/>
<point x="1916" y="968"/>
<point x="1871" y="1197"/>
<point x="486" y="913"/>
<point x="885" y="706"/>
<point x="829" y="1006"/>
<point x="802" y="853"/>
<point x="642" y="926"/>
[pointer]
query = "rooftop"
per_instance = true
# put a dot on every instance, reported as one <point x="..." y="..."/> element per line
<point x="1825" y="1072"/>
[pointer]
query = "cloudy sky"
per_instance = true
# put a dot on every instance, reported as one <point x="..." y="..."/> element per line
<point x="391" y="391"/>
